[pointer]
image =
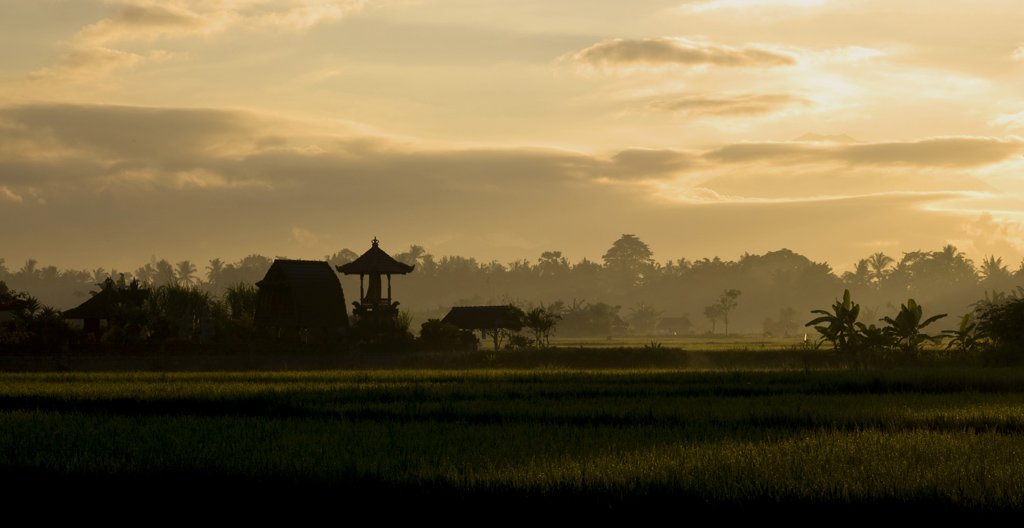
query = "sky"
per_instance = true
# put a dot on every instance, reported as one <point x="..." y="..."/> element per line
<point x="500" y="129"/>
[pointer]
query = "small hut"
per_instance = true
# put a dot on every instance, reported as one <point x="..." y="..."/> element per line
<point x="373" y="307"/>
<point x="97" y="312"/>
<point x="673" y="326"/>
<point x="301" y="300"/>
<point x="487" y="319"/>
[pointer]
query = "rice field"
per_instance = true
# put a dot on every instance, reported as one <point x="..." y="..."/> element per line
<point x="695" y="342"/>
<point x="542" y="439"/>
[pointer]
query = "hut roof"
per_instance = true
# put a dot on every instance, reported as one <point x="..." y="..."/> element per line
<point x="483" y="317"/>
<point x="375" y="260"/>
<point x="315" y="290"/>
<point x="102" y="305"/>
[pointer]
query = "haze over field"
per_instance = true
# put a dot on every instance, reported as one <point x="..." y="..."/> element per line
<point x="499" y="130"/>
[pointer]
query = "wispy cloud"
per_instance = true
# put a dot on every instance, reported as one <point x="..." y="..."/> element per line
<point x="93" y="55"/>
<point x="642" y="163"/>
<point x="754" y="11"/>
<point x="616" y="54"/>
<point x="1018" y="54"/>
<point x="141" y="20"/>
<point x="728" y="105"/>
<point x="1011" y="121"/>
<point x="959" y="151"/>
<point x="9" y="195"/>
<point x="86" y="64"/>
<point x="706" y="195"/>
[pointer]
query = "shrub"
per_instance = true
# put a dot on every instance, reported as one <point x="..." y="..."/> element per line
<point x="437" y="335"/>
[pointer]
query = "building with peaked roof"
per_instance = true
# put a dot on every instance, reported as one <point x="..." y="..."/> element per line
<point x="301" y="301"/>
<point x="373" y="307"/>
<point x="97" y="312"/>
<point x="488" y="319"/>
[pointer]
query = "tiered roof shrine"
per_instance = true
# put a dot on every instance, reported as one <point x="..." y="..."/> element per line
<point x="372" y="305"/>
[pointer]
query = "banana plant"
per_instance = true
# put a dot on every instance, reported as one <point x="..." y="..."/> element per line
<point x="964" y="339"/>
<point x="905" y="329"/>
<point x="839" y="326"/>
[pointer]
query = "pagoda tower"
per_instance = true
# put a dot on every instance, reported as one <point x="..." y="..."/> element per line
<point x="373" y="307"/>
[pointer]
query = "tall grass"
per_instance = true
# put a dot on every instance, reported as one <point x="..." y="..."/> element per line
<point x="922" y="438"/>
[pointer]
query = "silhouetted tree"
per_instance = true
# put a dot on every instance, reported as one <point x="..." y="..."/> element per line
<point x="186" y="272"/>
<point x="214" y="271"/>
<point x="878" y="264"/>
<point x="145" y="273"/>
<point x="728" y="302"/>
<point x="629" y="258"/>
<point x="542" y="323"/>
<point x="644" y="318"/>
<point x="713" y="313"/>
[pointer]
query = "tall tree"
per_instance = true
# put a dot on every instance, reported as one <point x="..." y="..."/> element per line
<point x="629" y="258"/>
<point x="993" y="272"/>
<point x="860" y="276"/>
<point x="214" y="271"/>
<point x="186" y="272"/>
<point x="165" y="273"/>
<point x="29" y="269"/>
<point x="728" y="302"/>
<point x="878" y="262"/>
<point x="145" y="273"/>
<point x="713" y="314"/>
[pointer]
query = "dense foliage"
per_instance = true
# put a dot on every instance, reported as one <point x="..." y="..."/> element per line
<point x="616" y="295"/>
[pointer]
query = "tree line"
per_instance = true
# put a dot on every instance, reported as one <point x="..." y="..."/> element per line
<point x="628" y="290"/>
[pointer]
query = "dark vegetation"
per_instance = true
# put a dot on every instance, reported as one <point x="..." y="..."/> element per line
<point x="932" y="440"/>
<point x="183" y="308"/>
<point x="628" y="291"/>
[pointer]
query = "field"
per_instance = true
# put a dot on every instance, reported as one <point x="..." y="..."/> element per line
<point x="688" y="342"/>
<point x="927" y="439"/>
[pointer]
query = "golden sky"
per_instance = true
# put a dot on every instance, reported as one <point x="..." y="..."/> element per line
<point x="500" y="129"/>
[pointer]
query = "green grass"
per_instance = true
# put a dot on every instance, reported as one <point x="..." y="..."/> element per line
<point x="935" y="439"/>
<point x="700" y="342"/>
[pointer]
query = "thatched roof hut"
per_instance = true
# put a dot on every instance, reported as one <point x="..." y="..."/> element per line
<point x="298" y="297"/>
<point x="483" y="318"/>
<point x="98" y="310"/>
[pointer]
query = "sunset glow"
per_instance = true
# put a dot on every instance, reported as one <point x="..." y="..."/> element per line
<point x="499" y="130"/>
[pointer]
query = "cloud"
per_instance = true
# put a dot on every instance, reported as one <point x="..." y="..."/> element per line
<point x="305" y="237"/>
<point x="1018" y="54"/>
<point x="665" y="51"/>
<point x="960" y="151"/>
<point x="8" y="195"/>
<point x="995" y="235"/>
<point x="148" y="21"/>
<point x="730" y="105"/>
<point x="753" y="11"/>
<point x="92" y="55"/>
<point x="641" y="163"/>
<point x="178" y="178"/>
<point x="86" y="64"/>
<point x="173" y="138"/>
<point x="1010" y="121"/>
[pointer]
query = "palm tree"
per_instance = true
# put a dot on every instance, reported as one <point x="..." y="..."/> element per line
<point x="992" y="270"/>
<point x="860" y="275"/>
<point x="165" y="272"/>
<point x="186" y="272"/>
<point x="145" y="273"/>
<point x="214" y="270"/>
<point x="49" y="274"/>
<point x="29" y="269"/>
<point x="98" y="276"/>
<point x="878" y="262"/>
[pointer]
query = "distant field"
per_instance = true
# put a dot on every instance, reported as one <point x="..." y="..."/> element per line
<point x="695" y="342"/>
<point x="547" y="438"/>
